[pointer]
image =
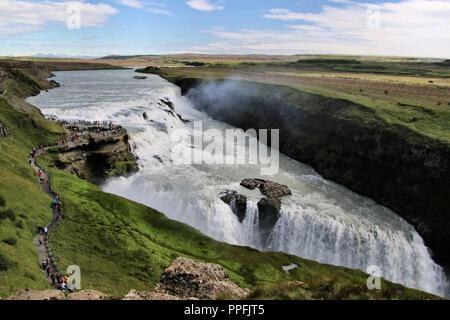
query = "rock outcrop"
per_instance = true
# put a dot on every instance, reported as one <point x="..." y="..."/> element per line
<point x="96" y="157"/>
<point x="268" y="188"/>
<point x="268" y="207"/>
<point x="274" y="190"/>
<point x="236" y="201"/>
<point x="171" y="110"/>
<point x="187" y="278"/>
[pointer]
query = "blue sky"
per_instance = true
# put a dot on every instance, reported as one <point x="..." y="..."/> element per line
<point x="129" y="27"/>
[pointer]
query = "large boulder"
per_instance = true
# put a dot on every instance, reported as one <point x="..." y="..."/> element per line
<point x="268" y="188"/>
<point x="187" y="278"/>
<point x="251" y="183"/>
<point x="274" y="190"/>
<point x="236" y="201"/>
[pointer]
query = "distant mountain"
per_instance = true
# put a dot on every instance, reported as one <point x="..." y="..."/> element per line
<point x="50" y="55"/>
<point x="117" y="57"/>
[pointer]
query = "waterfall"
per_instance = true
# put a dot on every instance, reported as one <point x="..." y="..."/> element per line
<point x="402" y="258"/>
<point x="250" y="225"/>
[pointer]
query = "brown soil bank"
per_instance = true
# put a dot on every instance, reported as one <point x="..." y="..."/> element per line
<point x="347" y="143"/>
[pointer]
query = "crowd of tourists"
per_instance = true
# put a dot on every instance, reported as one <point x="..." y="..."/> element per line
<point x="58" y="280"/>
<point x="77" y="129"/>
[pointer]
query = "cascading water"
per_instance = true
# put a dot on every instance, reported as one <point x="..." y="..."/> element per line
<point x="250" y="225"/>
<point x="321" y="220"/>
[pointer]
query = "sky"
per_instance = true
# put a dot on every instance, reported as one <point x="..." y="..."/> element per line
<point x="97" y="28"/>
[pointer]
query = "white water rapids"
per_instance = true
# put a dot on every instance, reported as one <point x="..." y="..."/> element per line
<point x="322" y="220"/>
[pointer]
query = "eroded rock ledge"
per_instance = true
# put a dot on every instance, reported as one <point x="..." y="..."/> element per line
<point x="236" y="201"/>
<point x="96" y="156"/>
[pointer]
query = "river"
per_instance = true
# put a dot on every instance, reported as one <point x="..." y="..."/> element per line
<point x="321" y="220"/>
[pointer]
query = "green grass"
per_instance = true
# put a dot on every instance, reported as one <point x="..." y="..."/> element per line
<point x="333" y="288"/>
<point x="25" y="204"/>
<point x="354" y="64"/>
<point x="431" y="122"/>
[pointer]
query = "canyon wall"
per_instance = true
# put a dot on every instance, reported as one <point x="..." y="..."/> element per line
<point x="391" y="164"/>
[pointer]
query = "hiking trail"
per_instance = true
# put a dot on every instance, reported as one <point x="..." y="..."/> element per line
<point x="43" y="249"/>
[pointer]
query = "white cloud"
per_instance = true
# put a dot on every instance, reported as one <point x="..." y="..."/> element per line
<point x="28" y="16"/>
<point x="283" y="14"/>
<point x="131" y="3"/>
<point x="204" y="5"/>
<point x="152" y="7"/>
<point x="158" y="4"/>
<point x="159" y="11"/>
<point x="409" y="28"/>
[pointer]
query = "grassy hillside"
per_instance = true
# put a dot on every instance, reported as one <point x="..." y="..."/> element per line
<point x="23" y="205"/>
<point x="26" y="205"/>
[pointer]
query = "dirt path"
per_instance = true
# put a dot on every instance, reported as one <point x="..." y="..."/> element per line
<point x="43" y="249"/>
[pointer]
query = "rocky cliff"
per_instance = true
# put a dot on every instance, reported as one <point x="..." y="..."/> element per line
<point x="397" y="167"/>
<point x="95" y="156"/>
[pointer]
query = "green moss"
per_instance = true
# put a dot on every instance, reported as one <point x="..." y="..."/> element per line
<point x="121" y="168"/>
